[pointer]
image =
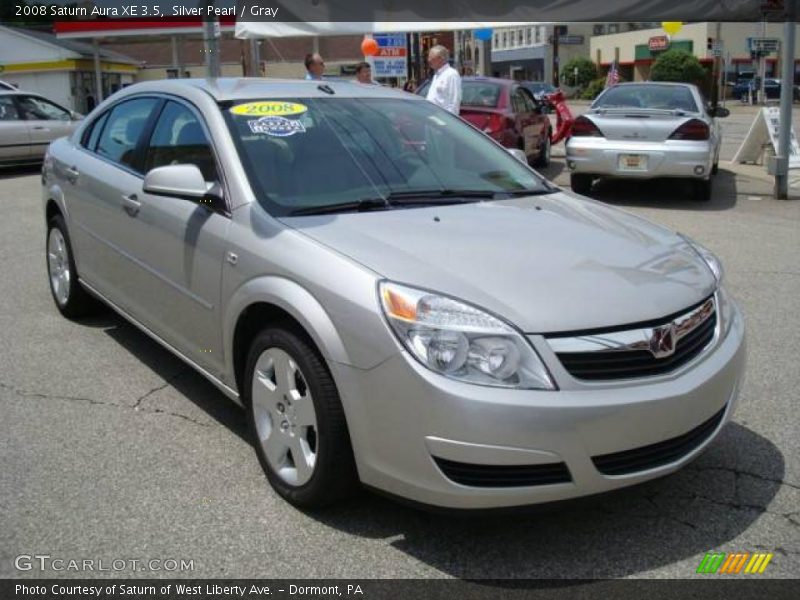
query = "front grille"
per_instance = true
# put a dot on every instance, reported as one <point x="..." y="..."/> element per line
<point x="626" y="364"/>
<point x="659" y="454"/>
<point x="503" y="475"/>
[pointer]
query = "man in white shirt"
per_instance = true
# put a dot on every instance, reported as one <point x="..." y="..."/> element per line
<point x="445" y="89"/>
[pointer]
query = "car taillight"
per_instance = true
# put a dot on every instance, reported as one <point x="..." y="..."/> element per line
<point x="495" y="123"/>
<point x="585" y="127"/>
<point x="694" y="129"/>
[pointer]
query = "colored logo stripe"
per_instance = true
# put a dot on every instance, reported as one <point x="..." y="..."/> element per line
<point x="733" y="563"/>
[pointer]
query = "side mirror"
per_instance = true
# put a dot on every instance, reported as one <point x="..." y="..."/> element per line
<point x="178" y="181"/>
<point x="75" y="116"/>
<point x="518" y="154"/>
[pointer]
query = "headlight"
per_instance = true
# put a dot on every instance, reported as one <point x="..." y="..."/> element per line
<point x="709" y="257"/>
<point x="460" y="341"/>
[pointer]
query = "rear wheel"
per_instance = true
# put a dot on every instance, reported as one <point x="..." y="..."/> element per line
<point x="545" y="149"/>
<point x="71" y="299"/>
<point x="580" y="183"/>
<point x="296" y="420"/>
<point x="701" y="190"/>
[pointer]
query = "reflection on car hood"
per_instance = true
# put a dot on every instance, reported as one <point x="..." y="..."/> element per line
<point x="546" y="263"/>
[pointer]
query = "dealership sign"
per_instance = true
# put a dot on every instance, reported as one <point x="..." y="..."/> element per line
<point x="391" y="59"/>
<point x="658" y="43"/>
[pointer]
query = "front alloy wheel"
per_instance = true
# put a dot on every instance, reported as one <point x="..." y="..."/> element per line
<point x="284" y="415"/>
<point x="296" y="419"/>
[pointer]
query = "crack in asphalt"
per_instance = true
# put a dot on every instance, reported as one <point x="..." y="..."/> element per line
<point x="740" y="472"/>
<point x="137" y="406"/>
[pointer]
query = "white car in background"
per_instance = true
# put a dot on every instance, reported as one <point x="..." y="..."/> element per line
<point x="28" y="123"/>
<point x="646" y="131"/>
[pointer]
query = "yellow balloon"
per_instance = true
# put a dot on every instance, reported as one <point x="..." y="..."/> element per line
<point x="671" y="27"/>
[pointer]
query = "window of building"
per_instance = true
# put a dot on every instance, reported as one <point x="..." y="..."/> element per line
<point x="529" y="36"/>
<point x="613" y="28"/>
<point x="599" y="30"/>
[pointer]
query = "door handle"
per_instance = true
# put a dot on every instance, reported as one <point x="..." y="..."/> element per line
<point x="72" y="174"/>
<point x="131" y="204"/>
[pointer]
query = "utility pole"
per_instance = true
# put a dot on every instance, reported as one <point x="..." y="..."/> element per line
<point x="556" y="35"/>
<point x="716" y="48"/>
<point x="787" y="96"/>
<point x="211" y="35"/>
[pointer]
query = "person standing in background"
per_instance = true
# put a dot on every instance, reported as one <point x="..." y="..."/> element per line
<point x="445" y="90"/>
<point x="315" y="66"/>
<point x="364" y="74"/>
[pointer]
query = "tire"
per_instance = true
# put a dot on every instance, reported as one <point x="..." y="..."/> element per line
<point x="543" y="160"/>
<point x="580" y="183"/>
<point x="701" y="189"/>
<point x="301" y="414"/>
<point x="71" y="299"/>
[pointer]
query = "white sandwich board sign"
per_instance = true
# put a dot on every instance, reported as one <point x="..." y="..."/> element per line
<point x="764" y="132"/>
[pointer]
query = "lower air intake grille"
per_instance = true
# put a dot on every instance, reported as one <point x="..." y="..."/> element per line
<point x="503" y="475"/>
<point x="657" y="455"/>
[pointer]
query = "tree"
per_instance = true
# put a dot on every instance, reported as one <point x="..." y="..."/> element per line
<point x="587" y="71"/>
<point x="678" y="65"/>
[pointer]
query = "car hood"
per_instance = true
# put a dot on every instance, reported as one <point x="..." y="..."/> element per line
<point x="547" y="264"/>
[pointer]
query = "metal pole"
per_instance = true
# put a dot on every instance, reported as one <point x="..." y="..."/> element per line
<point x="787" y="93"/>
<point x="211" y="44"/>
<point x="176" y="62"/>
<point x="255" y="58"/>
<point x="98" y="73"/>
<point x="762" y="64"/>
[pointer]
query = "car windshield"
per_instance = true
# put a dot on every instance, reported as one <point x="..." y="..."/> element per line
<point x="664" y="97"/>
<point x="307" y="153"/>
<point x="478" y="93"/>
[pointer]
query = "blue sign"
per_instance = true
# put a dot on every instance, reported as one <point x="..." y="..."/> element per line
<point x="392" y="57"/>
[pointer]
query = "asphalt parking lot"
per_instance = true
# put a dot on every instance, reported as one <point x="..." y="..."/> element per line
<point x="113" y="449"/>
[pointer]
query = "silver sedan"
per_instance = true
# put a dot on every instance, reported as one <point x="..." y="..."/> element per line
<point x="643" y="131"/>
<point x="28" y="123"/>
<point x="392" y="297"/>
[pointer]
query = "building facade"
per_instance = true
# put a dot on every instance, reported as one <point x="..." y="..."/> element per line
<point x="61" y="70"/>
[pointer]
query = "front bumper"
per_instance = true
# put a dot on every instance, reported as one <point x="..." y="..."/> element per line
<point x="401" y="415"/>
<point x="673" y="158"/>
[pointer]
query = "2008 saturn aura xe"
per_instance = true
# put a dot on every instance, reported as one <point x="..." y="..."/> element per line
<point x="394" y="298"/>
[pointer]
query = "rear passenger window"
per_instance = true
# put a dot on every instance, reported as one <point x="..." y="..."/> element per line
<point x="93" y="133"/>
<point x="8" y="109"/>
<point x="179" y="139"/>
<point x="124" y="128"/>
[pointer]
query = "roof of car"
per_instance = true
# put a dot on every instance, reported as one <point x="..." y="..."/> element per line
<point x="663" y="83"/>
<point x="243" y="88"/>
<point x="481" y="79"/>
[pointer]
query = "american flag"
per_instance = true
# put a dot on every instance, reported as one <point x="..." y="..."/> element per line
<point x="613" y="75"/>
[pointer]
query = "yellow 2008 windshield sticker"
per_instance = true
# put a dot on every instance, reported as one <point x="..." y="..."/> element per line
<point x="269" y="109"/>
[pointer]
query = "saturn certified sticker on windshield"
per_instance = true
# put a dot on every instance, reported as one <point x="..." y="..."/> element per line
<point x="269" y="109"/>
<point x="276" y="126"/>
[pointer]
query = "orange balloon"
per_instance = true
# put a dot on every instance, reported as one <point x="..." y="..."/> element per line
<point x="369" y="47"/>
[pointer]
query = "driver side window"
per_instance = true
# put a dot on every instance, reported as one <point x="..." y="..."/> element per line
<point x="179" y="138"/>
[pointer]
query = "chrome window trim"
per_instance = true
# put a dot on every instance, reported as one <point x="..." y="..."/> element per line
<point x="631" y="340"/>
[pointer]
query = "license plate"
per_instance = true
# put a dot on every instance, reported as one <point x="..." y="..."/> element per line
<point x="632" y="162"/>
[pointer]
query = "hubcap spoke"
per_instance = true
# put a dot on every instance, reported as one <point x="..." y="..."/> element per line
<point x="275" y="448"/>
<point x="303" y="459"/>
<point x="305" y="415"/>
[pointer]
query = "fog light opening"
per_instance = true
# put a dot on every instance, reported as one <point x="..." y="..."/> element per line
<point x="699" y="170"/>
<point x="571" y="165"/>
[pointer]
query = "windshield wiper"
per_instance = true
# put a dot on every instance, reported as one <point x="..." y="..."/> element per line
<point x="363" y="205"/>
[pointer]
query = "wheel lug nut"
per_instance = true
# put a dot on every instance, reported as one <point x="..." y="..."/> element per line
<point x="285" y="425"/>
<point x="281" y="408"/>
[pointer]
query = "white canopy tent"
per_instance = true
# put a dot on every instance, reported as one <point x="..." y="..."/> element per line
<point x="261" y="29"/>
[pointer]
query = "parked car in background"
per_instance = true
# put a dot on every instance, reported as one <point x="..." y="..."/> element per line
<point x="643" y="131"/>
<point x="508" y="112"/>
<point x="436" y="321"/>
<point x="539" y="89"/>
<point x="28" y="123"/>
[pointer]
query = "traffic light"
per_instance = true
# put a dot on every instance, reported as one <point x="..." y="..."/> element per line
<point x="709" y="43"/>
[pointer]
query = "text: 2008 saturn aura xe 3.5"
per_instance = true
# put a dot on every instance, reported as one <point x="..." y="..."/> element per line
<point x="393" y="297"/>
